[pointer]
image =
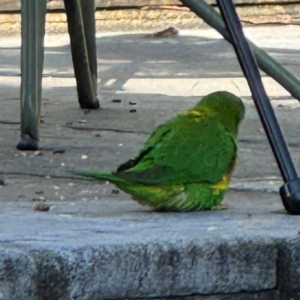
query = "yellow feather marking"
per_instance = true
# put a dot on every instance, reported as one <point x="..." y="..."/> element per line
<point x="192" y="112"/>
<point x="222" y="185"/>
<point x="154" y="189"/>
<point x="155" y="196"/>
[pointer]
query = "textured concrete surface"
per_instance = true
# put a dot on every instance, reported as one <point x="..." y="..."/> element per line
<point x="95" y="242"/>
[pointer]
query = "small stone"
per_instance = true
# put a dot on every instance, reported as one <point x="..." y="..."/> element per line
<point x="211" y="228"/>
<point x="115" y="191"/>
<point x="39" y="199"/>
<point x="132" y="111"/>
<point x="59" y="150"/>
<point x="132" y="103"/>
<point x="38" y="153"/>
<point x="81" y="121"/>
<point x="3" y="181"/>
<point x="39" y="192"/>
<point x="41" y="206"/>
<point x="116" y="101"/>
<point x="97" y="135"/>
<point x="87" y="111"/>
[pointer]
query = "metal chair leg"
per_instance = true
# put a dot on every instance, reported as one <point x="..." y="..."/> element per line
<point x="81" y="26"/>
<point x="32" y="58"/>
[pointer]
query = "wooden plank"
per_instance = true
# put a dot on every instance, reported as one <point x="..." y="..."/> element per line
<point x="15" y="5"/>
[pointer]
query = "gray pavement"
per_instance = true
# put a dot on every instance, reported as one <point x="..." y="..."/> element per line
<point x="95" y="242"/>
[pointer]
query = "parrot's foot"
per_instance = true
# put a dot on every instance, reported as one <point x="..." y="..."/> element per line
<point x="85" y="104"/>
<point x="27" y="144"/>
<point x="222" y="206"/>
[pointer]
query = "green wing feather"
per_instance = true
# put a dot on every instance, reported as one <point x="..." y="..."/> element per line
<point x="188" y="149"/>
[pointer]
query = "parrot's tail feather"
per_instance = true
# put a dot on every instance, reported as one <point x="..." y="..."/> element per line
<point x="101" y="176"/>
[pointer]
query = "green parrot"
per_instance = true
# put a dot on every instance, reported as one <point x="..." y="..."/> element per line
<point x="187" y="162"/>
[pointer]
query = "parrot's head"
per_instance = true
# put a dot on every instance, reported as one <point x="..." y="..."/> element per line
<point x="228" y="108"/>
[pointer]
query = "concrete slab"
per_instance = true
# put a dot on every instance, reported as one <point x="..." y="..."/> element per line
<point x="95" y="242"/>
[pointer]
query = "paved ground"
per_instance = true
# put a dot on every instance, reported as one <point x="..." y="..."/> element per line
<point x="95" y="242"/>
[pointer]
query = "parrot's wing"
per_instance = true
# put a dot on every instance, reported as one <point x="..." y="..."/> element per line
<point x="157" y="137"/>
<point x="189" y="148"/>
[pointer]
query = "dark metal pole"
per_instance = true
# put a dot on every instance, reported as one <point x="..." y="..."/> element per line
<point x="265" y="62"/>
<point x="290" y="191"/>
